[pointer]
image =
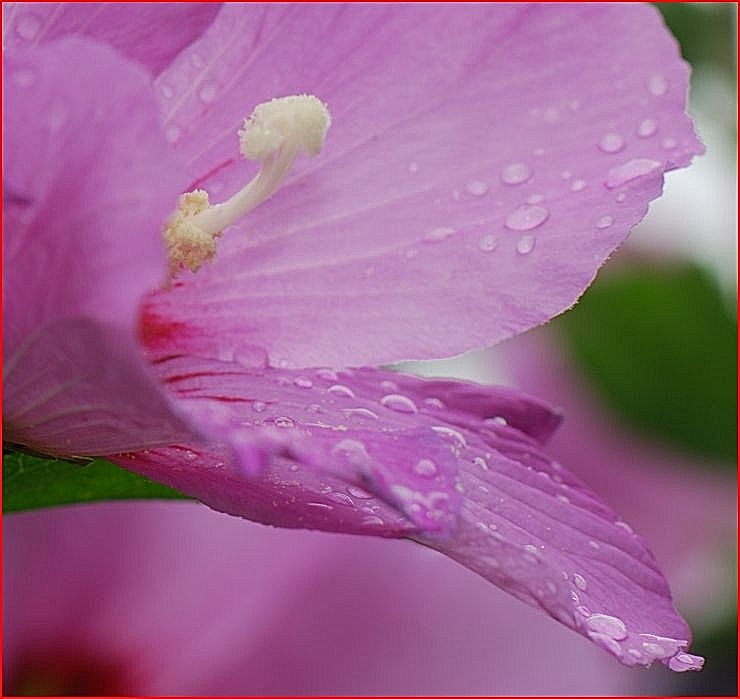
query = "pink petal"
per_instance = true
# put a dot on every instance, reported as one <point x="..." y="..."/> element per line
<point x="483" y="162"/>
<point x="151" y="33"/>
<point x="371" y="452"/>
<point x="86" y="186"/>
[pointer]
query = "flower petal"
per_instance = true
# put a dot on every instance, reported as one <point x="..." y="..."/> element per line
<point x="85" y="188"/>
<point x="152" y="33"/>
<point x="371" y="452"/>
<point x="483" y="162"/>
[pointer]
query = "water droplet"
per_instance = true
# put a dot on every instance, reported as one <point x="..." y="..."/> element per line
<point x="563" y="498"/>
<point x="579" y="581"/>
<point x="654" y="650"/>
<point x="259" y="406"/>
<point x="657" y="85"/>
<point x="399" y="403"/>
<point x="577" y="185"/>
<point x="606" y="641"/>
<point x="413" y="166"/>
<point x="356" y="492"/>
<point x="314" y="408"/>
<point x="477" y="188"/>
<point x="611" y="143"/>
<point x="390" y="386"/>
<point x="341" y="390"/>
<point x="27" y="27"/>
<point x="480" y="461"/>
<point x="341" y="499"/>
<point x="566" y="174"/>
<point x="632" y="169"/>
<point x="551" y="115"/>
<point x="434" y="402"/>
<point x="647" y="127"/>
<point x="669" y="143"/>
<point x="450" y="436"/>
<point x="167" y="92"/>
<point x="327" y="374"/>
<point x="320" y="505"/>
<point x="620" y="197"/>
<point x="594" y="544"/>
<point x="611" y="626"/>
<point x="515" y="173"/>
<point x="526" y="217"/>
<point x="207" y="93"/>
<point x="437" y="234"/>
<point x="525" y="244"/>
<point x="196" y="60"/>
<point x="283" y="421"/>
<point x="352" y="450"/>
<point x="623" y="525"/>
<point x="24" y="77"/>
<point x="604" y="222"/>
<point x="373" y="520"/>
<point x="251" y="356"/>
<point x="531" y="548"/>
<point x="425" y="467"/>
<point x="172" y="133"/>
<point x="360" y="412"/>
<point x="686" y="661"/>
<point x="302" y="382"/>
<point x="488" y="243"/>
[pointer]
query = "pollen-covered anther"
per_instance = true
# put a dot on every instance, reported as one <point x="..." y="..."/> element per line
<point x="188" y="245"/>
<point x="275" y="133"/>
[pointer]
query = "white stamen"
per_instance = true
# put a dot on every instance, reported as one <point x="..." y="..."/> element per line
<point x="275" y="133"/>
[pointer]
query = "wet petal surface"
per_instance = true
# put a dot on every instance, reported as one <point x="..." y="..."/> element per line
<point x="368" y="451"/>
<point x="469" y="189"/>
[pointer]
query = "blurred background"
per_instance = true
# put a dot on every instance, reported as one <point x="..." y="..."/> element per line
<point x="153" y="598"/>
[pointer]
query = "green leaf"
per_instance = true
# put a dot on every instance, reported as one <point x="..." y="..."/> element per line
<point x="31" y="481"/>
<point x="661" y="347"/>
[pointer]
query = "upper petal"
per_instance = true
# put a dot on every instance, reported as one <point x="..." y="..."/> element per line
<point x="483" y="162"/>
<point x="87" y="180"/>
<point x="150" y="33"/>
<point x="370" y="452"/>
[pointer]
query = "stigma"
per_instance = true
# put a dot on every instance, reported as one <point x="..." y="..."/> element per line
<point x="275" y="133"/>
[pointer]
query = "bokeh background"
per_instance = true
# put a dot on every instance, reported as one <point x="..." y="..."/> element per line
<point x="155" y="598"/>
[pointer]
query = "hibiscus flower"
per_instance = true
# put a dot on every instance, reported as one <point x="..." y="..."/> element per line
<point x="478" y="164"/>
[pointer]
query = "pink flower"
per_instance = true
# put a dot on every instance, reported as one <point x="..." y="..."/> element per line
<point x="482" y="162"/>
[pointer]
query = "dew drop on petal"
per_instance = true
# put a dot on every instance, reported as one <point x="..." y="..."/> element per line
<point x="172" y="133"/>
<point x="440" y="233"/>
<point x="669" y="143"/>
<point x="399" y="403"/>
<point x="525" y="244"/>
<point x="477" y="188"/>
<point x="327" y="374"/>
<point x="685" y="661"/>
<point x="577" y="185"/>
<point x="594" y="544"/>
<point x="425" y="467"/>
<point x="632" y="169"/>
<point x="515" y="173"/>
<point x="604" y="222"/>
<point x="341" y="499"/>
<point x="339" y="389"/>
<point x="320" y="506"/>
<point x="27" y="27"/>
<point x="488" y="243"/>
<point x="259" y="406"/>
<point x="284" y="422"/>
<point x="526" y="217"/>
<point x="620" y="197"/>
<point x="611" y="626"/>
<point x="303" y="382"/>
<point x="647" y="127"/>
<point x="207" y="93"/>
<point x="657" y="85"/>
<point x="359" y="493"/>
<point x="611" y="143"/>
<point x="579" y="581"/>
<point x="372" y="520"/>
<point x="566" y="174"/>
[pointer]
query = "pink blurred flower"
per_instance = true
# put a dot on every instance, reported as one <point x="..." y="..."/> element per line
<point x="469" y="190"/>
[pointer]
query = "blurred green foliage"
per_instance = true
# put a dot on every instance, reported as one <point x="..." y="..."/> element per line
<point x="660" y="344"/>
<point x="31" y="481"/>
